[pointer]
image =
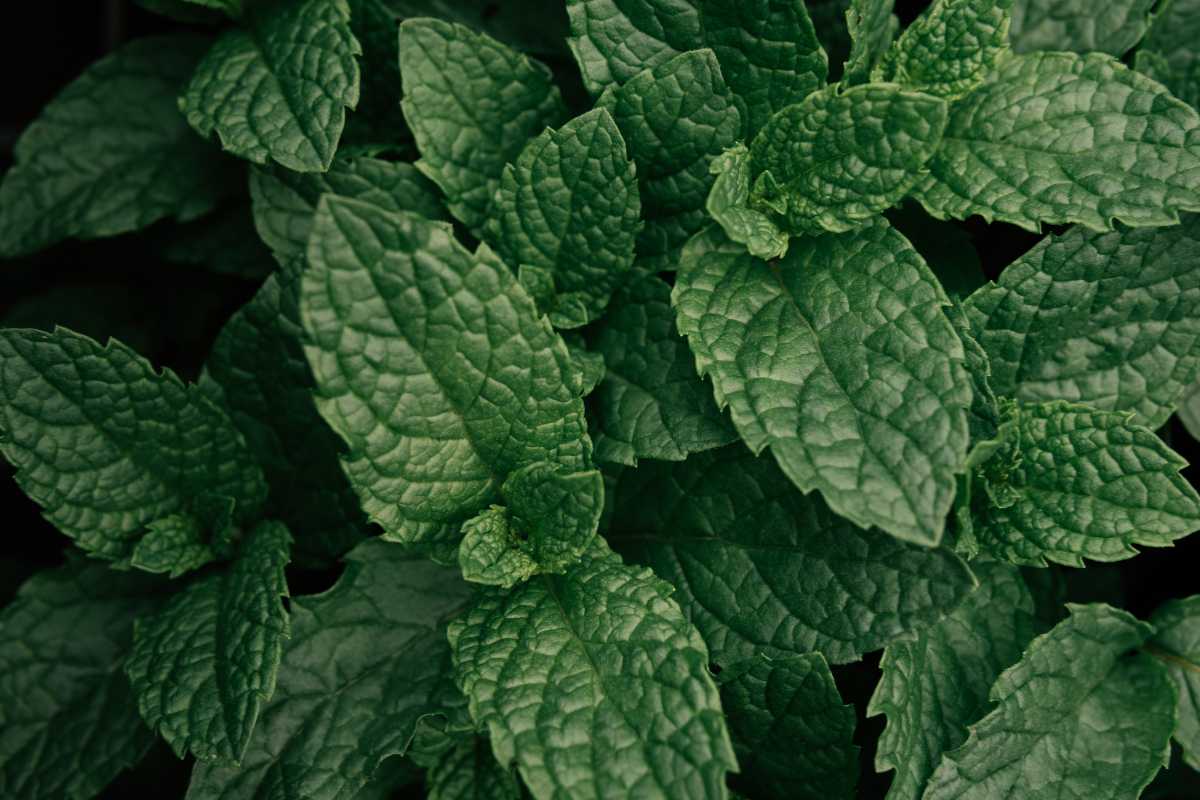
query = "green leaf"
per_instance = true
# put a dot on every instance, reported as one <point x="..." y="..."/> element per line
<point x="936" y="684"/>
<point x="1059" y="138"/>
<point x="812" y="164"/>
<point x="1189" y="409"/>
<point x="767" y="49"/>
<point x="651" y="403"/>
<point x="951" y="48"/>
<point x="1075" y="715"/>
<point x="68" y="720"/>
<point x="792" y="734"/>
<point x="106" y="444"/>
<point x="532" y="26"/>
<point x="1069" y="482"/>
<point x="362" y="668"/>
<point x="1177" y="644"/>
<point x="1172" y="36"/>
<point x="1108" y="319"/>
<point x="277" y="89"/>
<point x="616" y="668"/>
<point x="470" y="772"/>
<point x="257" y="371"/>
<point x="492" y="551"/>
<point x="675" y="118"/>
<point x="840" y="358"/>
<point x="871" y="26"/>
<point x="761" y="568"/>
<point x="203" y="665"/>
<point x="111" y="153"/>
<point x="434" y="367"/>
<point x="231" y="7"/>
<point x="589" y="365"/>
<point x="569" y="206"/>
<point x="730" y="206"/>
<point x="174" y="544"/>
<point x="1107" y="26"/>
<point x="472" y="104"/>
<point x="181" y="10"/>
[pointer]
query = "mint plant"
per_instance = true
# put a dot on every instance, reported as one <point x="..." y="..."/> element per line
<point x="622" y="408"/>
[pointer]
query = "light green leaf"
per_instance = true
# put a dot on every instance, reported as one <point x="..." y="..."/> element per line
<point x="1108" y="26"/>
<point x="871" y="26"/>
<point x="810" y="167"/>
<point x="569" y="206"/>
<point x="841" y="359"/>
<point x="1172" y="36"/>
<point x="761" y="568"/>
<point x="589" y="365"/>
<point x="936" y="684"/>
<point x="767" y="49"/>
<point x="434" y="367"/>
<point x="203" y="665"/>
<point x="111" y="153"/>
<point x="472" y="104"/>
<point x="614" y="700"/>
<point x="1177" y="644"/>
<point x="1076" y="715"/>
<point x="362" y="668"/>
<point x="792" y="733"/>
<point x="1059" y="138"/>
<point x="651" y="403"/>
<point x="1108" y="319"/>
<point x="492" y="551"/>
<point x="106" y="444"/>
<point x="675" y="118"/>
<point x="68" y="720"/>
<point x="470" y="772"/>
<point x="175" y="544"/>
<point x="730" y="206"/>
<point x="1189" y="410"/>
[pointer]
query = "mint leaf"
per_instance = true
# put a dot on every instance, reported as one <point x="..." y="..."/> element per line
<point x="1070" y="482"/>
<point x="810" y="167"/>
<point x="202" y="666"/>
<point x="871" y="26"/>
<point x="175" y="544"/>
<point x="651" y="403"/>
<point x="569" y="206"/>
<point x="1177" y="644"/>
<point x="469" y="771"/>
<point x="277" y="89"/>
<point x="111" y="153"/>
<point x="1109" y="319"/>
<point x="434" y="367"/>
<point x="472" y="104"/>
<point x="1077" y="708"/>
<point x="70" y="723"/>
<point x="866" y="405"/>
<point x="1108" y="26"/>
<point x="792" y="734"/>
<point x="613" y="651"/>
<point x="361" y="669"/>
<point x="1172" y="37"/>
<point x="1059" y="138"/>
<point x="730" y="206"/>
<point x="492" y="551"/>
<point x="761" y="568"/>
<point x="1189" y="410"/>
<point x="675" y="118"/>
<point x="106" y="444"/>
<point x="934" y="685"/>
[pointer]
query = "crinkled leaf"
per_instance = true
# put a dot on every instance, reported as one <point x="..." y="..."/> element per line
<point x="174" y="544"/>
<point x="761" y="568"/>
<point x="469" y="771"/>
<point x="1172" y="37"/>
<point x="1077" y="715"/>
<point x="1189" y="410"/>
<point x="791" y="731"/>
<point x="841" y="359"/>
<point x="936" y="684"/>
<point x="730" y="207"/>
<point x="1177" y="644"/>
<point x="1109" y="26"/>
<point x="106" y="444"/>
<point x="472" y="104"/>
<point x="589" y="365"/>
<point x="492" y="552"/>
<point x="1059" y="138"/>
<point x="871" y="26"/>
<point x="111" y="153"/>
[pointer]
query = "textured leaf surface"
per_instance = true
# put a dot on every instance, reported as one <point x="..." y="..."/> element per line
<point x="111" y="153"/>
<point x="174" y="544"/>
<point x="595" y="685"/>
<point x="1177" y="644"/>
<point x="730" y="207"/>
<point x="843" y="155"/>
<point x="950" y="48"/>
<point x="277" y="89"/>
<point x="651" y="403"/>
<point x="470" y="772"/>
<point x="934" y="685"/>
<point x="106" y="444"/>
<point x="675" y="118"/>
<point x="68" y="720"/>
<point x="203" y="665"/>
<point x="767" y="49"/>
<point x="761" y="568"/>
<point x="871" y="25"/>
<point x="434" y="367"/>
<point x="1189" y="410"/>
<point x="362" y="667"/>
<point x="1108" y="319"/>
<point x="472" y="104"/>
<point x="1060" y="138"/>
<point x="792" y="734"/>
<point x="1076" y="717"/>
<point x="1173" y="36"/>
<point x="569" y="206"/>
<point x="841" y="359"/>
<point x="1109" y="26"/>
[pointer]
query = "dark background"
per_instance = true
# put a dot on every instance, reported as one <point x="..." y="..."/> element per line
<point x="169" y="312"/>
